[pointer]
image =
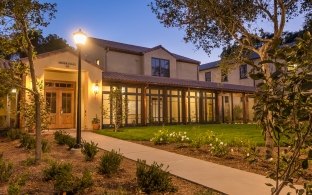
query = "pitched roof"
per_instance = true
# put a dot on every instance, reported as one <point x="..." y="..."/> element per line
<point x="123" y="47"/>
<point x="215" y="64"/>
<point x="163" y="81"/>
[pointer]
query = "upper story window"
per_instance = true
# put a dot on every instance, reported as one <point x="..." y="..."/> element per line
<point x="224" y="77"/>
<point x="243" y="71"/>
<point x="160" y="67"/>
<point x="208" y="76"/>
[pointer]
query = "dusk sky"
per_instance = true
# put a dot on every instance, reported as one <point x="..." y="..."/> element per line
<point x="127" y="21"/>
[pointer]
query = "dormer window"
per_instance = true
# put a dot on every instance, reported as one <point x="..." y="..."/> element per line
<point x="160" y="67"/>
<point x="243" y="71"/>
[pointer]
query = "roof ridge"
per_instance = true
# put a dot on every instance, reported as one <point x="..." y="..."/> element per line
<point x="99" y="39"/>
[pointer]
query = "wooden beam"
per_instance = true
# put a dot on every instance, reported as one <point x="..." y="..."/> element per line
<point x="165" y="107"/>
<point x="143" y="106"/>
<point x="245" y="107"/>
<point x="217" y="107"/>
<point x="232" y="110"/>
<point x="201" y="107"/>
<point x="184" y="121"/>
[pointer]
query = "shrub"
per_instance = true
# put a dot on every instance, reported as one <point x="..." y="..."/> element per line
<point x="63" y="138"/>
<point x="6" y="170"/>
<point x="179" y="137"/>
<point x="153" y="179"/>
<point x="45" y="146"/>
<point x="219" y="148"/>
<point x="14" y="189"/>
<point x="27" y="141"/>
<point x="161" y="137"/>
<point x="14" y="134"/>
<point x="56" y="169"/>
<point x="198" y="141"/>
<point x="89" y="150"/>
<point x="29" y="161"/>
<point x="110" y="163"/>
<point x="68" y="183"/>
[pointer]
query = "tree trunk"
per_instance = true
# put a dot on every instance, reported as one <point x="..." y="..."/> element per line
<point x="30" y="53"/>
<point x="269" y="144"/>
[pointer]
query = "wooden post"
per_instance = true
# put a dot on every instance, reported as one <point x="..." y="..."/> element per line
<point x="184" y="121"/>
<point x="217" y="107"/>
<point x="165" y="107"/>
<point x="201" y="107"/>
<point x="232" y="110"/>
<point x="143" y="106"/>
<point x="245" y="107"/>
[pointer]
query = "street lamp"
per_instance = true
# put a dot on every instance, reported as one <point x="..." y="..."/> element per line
<point x="80" y="39"/>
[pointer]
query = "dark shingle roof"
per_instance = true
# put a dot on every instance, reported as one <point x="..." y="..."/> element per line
<point x="163" y="81"/>
<point x="136" y="49"/>
<point x="209" y="65"/>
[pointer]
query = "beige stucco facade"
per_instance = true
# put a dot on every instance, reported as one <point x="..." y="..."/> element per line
<point x="62" y="67"/>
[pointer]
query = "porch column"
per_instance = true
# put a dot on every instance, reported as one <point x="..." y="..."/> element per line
<point x="217" y="107"/>
<point x="201" y="107"/>
<point x="143" y="106"/>
<point x="165" y="108"/>
<point x="245" y="109"/>
<point x="232" y="110"/>
<point x="184" y="121"/>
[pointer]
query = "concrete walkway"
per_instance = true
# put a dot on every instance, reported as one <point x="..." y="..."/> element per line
<point x="221" y="178"/>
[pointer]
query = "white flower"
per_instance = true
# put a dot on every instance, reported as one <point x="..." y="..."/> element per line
<point x="184" y="132"/>
<point x="221" y="143"/>
<point x="161" y="139"/>
<point x="232" y="150"/>
<point x="210" y="144"/>
<point x="247" y="154"/>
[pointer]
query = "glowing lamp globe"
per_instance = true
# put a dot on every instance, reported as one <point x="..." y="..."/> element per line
<point x="80" y="38"/>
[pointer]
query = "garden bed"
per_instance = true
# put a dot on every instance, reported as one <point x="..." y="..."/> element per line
<point x="124" y="182"/>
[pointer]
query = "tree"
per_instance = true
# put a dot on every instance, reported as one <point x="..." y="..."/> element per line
<point x="291" y="107"/>
<point x="18" y="18"/>
<point x="213" y="23"/>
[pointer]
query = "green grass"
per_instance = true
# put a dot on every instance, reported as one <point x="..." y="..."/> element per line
<point x="227" y="132"/>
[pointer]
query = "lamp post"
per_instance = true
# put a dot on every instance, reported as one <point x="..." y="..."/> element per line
<point x="80" y="39"/>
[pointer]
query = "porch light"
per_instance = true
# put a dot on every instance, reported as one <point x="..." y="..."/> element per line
<point x="80" y="39"/>
<point x="95" y="88"/>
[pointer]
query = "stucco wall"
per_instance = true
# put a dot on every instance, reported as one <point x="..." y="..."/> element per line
<point x="124" y="63"/>
<point x="63" y="67"/>
<point x="187" y="71"/>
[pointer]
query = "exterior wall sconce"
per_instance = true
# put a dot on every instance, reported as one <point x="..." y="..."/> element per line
<point x="95" y="88"/>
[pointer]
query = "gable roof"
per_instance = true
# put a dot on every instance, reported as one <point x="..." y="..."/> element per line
<point x="128" y="48"/>
<point x="163" y="81"/>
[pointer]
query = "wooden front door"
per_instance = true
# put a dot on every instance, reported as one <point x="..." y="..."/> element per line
<point x="60" y="98"/>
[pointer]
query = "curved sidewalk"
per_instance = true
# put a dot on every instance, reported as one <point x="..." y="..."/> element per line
<point x="218" y="177"/>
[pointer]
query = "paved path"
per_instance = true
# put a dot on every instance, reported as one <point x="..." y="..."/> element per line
<point x="211" y="175"/>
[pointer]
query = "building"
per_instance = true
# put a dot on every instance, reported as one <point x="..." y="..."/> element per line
<point x="160" y="87"/>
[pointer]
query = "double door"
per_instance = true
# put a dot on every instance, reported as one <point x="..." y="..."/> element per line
<point x="60" y="103"/>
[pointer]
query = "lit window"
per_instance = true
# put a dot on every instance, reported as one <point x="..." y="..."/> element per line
<point x="208" y="76"/>
<point x="160" y="67"/>
<point x="243" y="71"/>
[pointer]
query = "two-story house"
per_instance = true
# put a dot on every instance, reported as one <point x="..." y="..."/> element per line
<point x="160" y="87"/>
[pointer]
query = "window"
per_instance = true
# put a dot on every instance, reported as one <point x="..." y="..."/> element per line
<point x="226" y="99"/>
<point x="208" y="76"/>
<point x="224" y="77"/>
<point x="243" y="71"/>
<point x="160" y="67"/>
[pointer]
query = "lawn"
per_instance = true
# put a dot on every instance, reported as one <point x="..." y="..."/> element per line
<point x="226" y="132"/>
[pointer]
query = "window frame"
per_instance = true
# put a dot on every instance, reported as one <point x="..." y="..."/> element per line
<point x="206" y="73"/>
<point x="224" y="77"/>
<point x="243" y="71"/>
<point x="160" y="65"/>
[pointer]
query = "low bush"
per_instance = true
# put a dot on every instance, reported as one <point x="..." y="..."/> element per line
<point x="14" y="134"/>
<point x="45" y="145"/>
<point x="89" y="150"/>
<point x="63" y="138"/>
<point x="110" y="163"/>
<point x="164" y="137"/>
<point x="219" y="148"/>
<point x="153" y="179"/>
<point x="56" y="169"/>
<point x="14" y="189"/>
<point x="29" y="161"/>
<point x="27" y="141"/>
<point x="6" y="169"/>
<point x="161" y="137"/>
<point x="68" y="183"/>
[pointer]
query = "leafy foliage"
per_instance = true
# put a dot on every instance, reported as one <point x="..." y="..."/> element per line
<point x="164" y="137"/>
<point x="110" y="163"/>
<point x="27" y="141"/>
<point x="290" y="106"/>
<point x="45" y="145"/>
<point x="62" y="138"/>
<point x="14" y="134"/>
<point x="89" y="150"/>
<point x="6" y="169"/>
<point x="153" y="179"/>
<point x="55" y="169"/>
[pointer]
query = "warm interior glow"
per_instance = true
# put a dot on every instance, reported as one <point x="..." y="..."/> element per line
<point x="13" y="90"/>
<point x="80" y="38"/>
<point x="95" y="89"/>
